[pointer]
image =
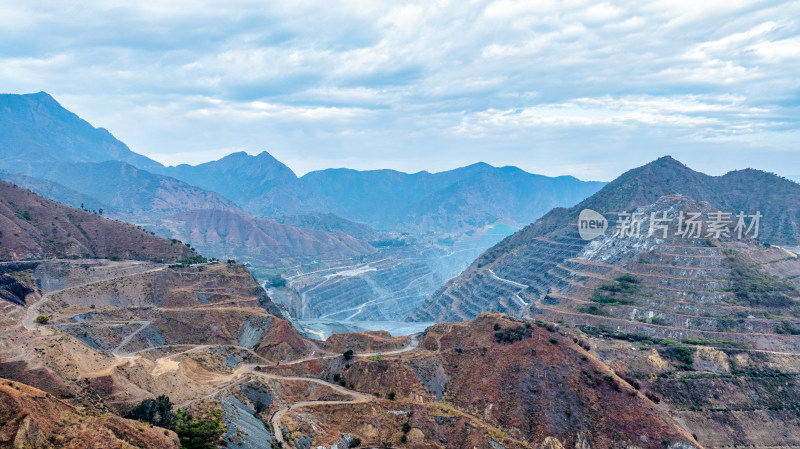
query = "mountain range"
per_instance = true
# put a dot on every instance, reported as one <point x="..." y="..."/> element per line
<point x="198" y="354"/>
<point x="41" y="139"/>
<point x="457" y="200"/>
<point x="706" y="321"/>
<point x="750" y="191"/>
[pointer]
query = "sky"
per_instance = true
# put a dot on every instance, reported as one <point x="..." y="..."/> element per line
<point x="584" y="88"/>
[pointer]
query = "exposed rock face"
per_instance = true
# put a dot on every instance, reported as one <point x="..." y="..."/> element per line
<point x="32" y="227"/>
<point x="13" y="290"/>
<point x="542" y="256"/>
<point x="692" y="319"/>
<point x="200" y="335"/>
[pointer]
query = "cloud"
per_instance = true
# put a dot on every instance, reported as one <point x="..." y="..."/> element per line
<point x="421" y="85"/>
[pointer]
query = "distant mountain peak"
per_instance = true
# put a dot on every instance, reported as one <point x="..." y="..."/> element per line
<point x="42" y="96"/>
<point x="35" y="129"/>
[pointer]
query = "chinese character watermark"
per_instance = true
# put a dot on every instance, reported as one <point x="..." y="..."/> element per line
<point x="715" y="225"/>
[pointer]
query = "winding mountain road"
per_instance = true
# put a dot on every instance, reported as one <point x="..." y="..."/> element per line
<point x="126" y="340"/>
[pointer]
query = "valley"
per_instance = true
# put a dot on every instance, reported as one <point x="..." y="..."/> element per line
<point x="235" y="304"/>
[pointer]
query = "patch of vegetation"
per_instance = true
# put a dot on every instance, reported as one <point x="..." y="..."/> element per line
<point x="276" y="281"/>
<point x="349" y="354"/>
<point x="632" y="382"/>
<point x="194" y="433"/>
<point x="156" y="411"/>
<point x="713" y="343"/>
<point x="607" y="332"/>
<point x="751" y="286"/>
<point x="25" y="276"/>
<point x="653" y="320"/>
<point x="390" y="396"/>
<point x="619" y="292"/>
<point x="512" y="334"/>
<point x="42" y="319"/>
<point x="199" y="433"/>
<point x="787" y="328"/>
<point x="189" y="261"/>
<point x="681" y="353"/>
<point x="375" y="358"/>
<point x="653" y="397"/>
<point x="355" y="442"/>
<point x="594" y="310"/>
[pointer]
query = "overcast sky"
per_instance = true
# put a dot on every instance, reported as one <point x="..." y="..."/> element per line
<point x="555" y="87"/>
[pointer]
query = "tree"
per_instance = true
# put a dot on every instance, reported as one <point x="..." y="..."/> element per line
<point x="156" y="411"/>
<point x="42" y="319"/>
<point x="100" y="211"/>
<point x="199" y="433"/>
<point x="348" y="354"/>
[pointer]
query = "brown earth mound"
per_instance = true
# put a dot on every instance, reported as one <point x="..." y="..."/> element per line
<point x="31" y="418"/>
<point x="32" y="227"/>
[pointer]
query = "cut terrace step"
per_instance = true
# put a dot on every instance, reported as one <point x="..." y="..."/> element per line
<point x="760" y="341"/>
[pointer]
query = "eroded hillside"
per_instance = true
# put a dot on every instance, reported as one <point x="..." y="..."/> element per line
<point x="709" y="325"/>
<point x="32" y="227"/>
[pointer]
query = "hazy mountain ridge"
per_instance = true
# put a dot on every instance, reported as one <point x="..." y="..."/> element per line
<point x="262" y="241"/>
<point x="37" y="130"/>
<point x="451" y="201"/>
<point x="748" y="190"/>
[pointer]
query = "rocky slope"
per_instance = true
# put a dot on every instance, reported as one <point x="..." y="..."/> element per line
<point x="207" y="336"/>
<point x="333" y="223"/>
<point x="704" y="323"/>
<point x="56" y="192"/>
<point x="133" y="193"/>
<point x="536" y="250"/>
<point x="492" y="382"/>
<point x="32" y="227"/>
<point x="30" y="418"/>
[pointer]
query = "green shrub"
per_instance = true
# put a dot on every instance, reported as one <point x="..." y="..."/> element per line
<point x="42" y="319"/>
<point x="593" y="310"/>
<point x="787" y="328"/>
<point x="681" y="353"/>
<point x="751" y="286"/>
<point x="199" y="433"/>
<point x="510" y="335"/>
